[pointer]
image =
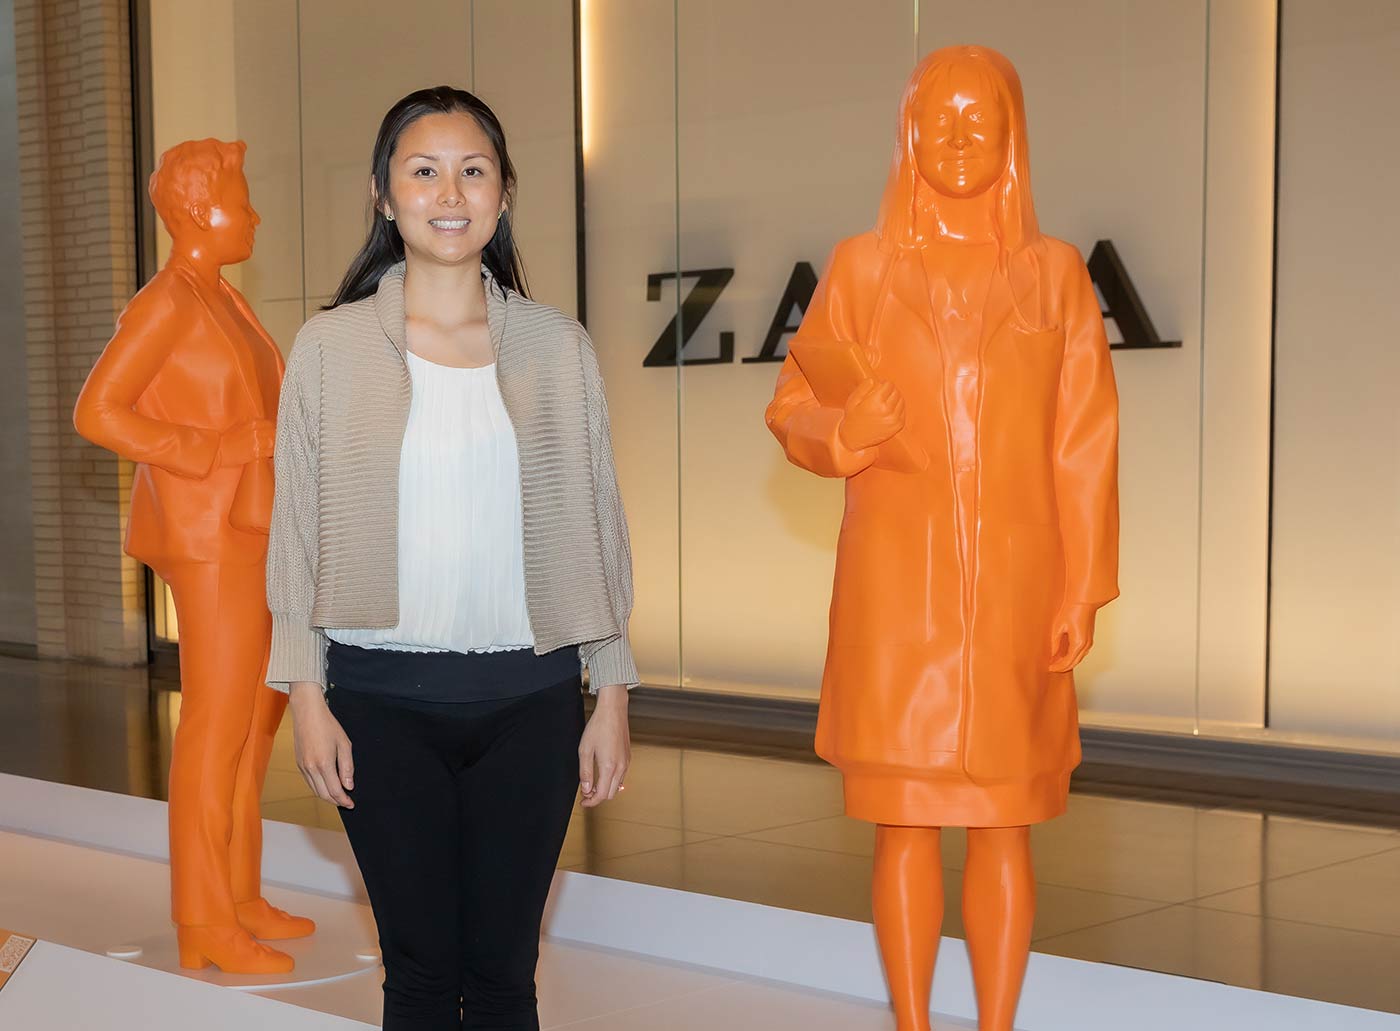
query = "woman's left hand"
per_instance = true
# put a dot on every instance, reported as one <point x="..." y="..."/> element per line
<point x="605" y="751"/>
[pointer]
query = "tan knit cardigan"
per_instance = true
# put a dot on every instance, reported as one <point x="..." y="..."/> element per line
<point x="333" y="553"/>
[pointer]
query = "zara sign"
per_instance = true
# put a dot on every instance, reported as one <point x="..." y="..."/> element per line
<point x="1120" y="299"/>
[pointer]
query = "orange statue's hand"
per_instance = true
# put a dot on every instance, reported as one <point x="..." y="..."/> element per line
<point x="247" y="442"/>
<point x="1072" y="637"/>
<point x="874" y="414"/>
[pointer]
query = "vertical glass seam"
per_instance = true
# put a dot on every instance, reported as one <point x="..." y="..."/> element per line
<point x="1201" y="372"/>
<point x="301" y="163"/>
<point x="680" y="338"/>
<point x="1273" y="374"/>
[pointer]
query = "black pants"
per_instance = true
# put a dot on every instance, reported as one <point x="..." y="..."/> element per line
<point x="460" y="813"/>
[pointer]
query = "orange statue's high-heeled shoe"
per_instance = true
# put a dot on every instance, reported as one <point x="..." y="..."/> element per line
<point x="232" y="949"/>
<point x="262" y="919"/>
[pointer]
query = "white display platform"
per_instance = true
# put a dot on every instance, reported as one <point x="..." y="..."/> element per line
<point x="61" y="988"/>
<point x="660" y="927"/>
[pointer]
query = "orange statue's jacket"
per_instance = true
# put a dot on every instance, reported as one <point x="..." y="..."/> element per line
<point x="163" y="396"/>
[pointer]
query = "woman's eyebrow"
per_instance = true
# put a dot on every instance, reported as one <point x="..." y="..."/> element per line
<point x="465" y="157"/>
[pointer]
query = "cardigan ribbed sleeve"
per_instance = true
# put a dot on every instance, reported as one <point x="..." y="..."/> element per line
<point x="609" y="662"/>
<point x="298" y="648"/>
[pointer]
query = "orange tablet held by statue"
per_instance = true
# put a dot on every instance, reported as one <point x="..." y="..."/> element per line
<point x="835" y="370"/>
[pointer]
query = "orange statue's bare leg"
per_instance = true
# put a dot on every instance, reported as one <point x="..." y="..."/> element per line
<point x="224" y="632"/>
<point x="998" y="911"/>
<point x="908" y="903"/>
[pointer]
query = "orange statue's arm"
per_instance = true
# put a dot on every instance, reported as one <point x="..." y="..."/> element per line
<point x="809" y="432"/>
<point x="147" y="331"/>
<point x="1086" y="451"/>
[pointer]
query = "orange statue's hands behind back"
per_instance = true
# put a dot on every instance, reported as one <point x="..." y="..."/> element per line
<point x="105" y="414"/>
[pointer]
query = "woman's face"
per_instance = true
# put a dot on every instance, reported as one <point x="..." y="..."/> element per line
<point x="962" y="133"/>
<point x="445" y="188"/>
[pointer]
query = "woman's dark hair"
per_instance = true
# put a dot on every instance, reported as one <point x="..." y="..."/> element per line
<point x="384" y="246"/>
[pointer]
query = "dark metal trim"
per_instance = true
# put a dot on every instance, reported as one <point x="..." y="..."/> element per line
<point x="165" y="663"/>
<point x="788" y="725"/>
<point x="1247" y="760"/>
<point x="142" y="137"/>
<point x="19" y="649"/>
<point x="143" y="164"/>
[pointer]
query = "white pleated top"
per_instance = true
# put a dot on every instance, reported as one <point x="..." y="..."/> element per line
<point x="461" y="545"/>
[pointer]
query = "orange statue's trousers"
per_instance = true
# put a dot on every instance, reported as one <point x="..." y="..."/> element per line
<point x="228" y="718"/>
<point x="998" y="910"/>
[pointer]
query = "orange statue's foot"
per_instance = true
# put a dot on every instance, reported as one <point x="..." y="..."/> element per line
<point x="262" y="919"/>
<point x="231" y="949"/>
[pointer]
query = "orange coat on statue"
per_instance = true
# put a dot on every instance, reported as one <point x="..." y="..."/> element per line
<point x="967" y="398"/>
<point x="938" y="702"/>
<point x="188" y="389"/>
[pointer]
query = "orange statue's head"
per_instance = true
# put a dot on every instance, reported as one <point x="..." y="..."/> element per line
<point x="201" y="195"/>
<point x="961" y="135"/>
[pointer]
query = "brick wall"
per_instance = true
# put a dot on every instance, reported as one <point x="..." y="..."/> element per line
<point x="74" y="94"/>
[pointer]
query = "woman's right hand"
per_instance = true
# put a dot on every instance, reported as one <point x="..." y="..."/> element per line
<point x="322" y="749"/>
<point x="874" y="414"/>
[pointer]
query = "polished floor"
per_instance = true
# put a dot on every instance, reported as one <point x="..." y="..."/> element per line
<point x="1298" y="906"/>
<point x="580" y="987"/>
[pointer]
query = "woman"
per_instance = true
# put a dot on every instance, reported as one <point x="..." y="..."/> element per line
<point x="448" y="550"/>
<point x="965" y="593"/>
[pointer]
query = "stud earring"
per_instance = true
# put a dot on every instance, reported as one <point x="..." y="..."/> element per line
<point x="389" y="215"/>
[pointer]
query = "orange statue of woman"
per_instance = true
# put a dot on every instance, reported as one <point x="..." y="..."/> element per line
<point x="966" y="583"/>
<point x="188" y="389"/>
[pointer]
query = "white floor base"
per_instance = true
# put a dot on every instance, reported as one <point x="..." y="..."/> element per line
<point x="331" y="954"/>
<point x="622" y="956"/>
<point x="58" y="988"/>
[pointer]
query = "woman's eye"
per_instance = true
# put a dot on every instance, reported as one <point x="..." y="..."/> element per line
<point x="471" y="171"/>
<point x="423" y="173"/>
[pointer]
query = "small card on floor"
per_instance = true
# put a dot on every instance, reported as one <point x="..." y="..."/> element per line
<point x="13" y="948"/>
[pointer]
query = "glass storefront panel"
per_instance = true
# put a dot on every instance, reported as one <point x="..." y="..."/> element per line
<point x="681" y="186"/>
<point x="786" y="119"/>
<point x="628" y="105"/>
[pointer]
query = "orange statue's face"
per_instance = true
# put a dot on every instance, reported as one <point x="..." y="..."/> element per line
<point x="228" y="220"/>
<point x="962" y="132"/>
<point x="446" y="191"/>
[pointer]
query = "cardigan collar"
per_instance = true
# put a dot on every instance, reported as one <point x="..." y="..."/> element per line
<point x="389" y="306"/>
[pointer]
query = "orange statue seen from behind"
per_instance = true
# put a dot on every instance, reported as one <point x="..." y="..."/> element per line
<point x="188" y="389"/>
<point x="966" y="582"/>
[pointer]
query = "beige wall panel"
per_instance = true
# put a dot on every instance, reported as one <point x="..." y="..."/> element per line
<point x="630" y="140"/>
<point x="358" y="57"/>
<point x="1236" y="363"/>
<point x="1335" y="656"/>
<point x="524" y="68"/>
<point x="786" y="128"/>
